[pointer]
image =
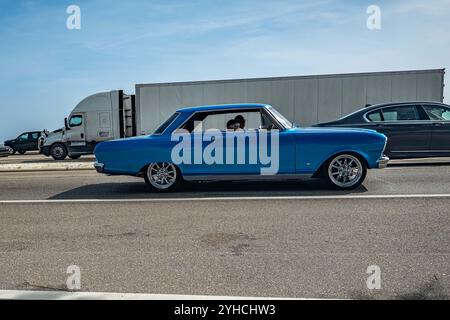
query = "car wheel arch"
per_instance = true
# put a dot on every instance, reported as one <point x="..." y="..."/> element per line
<point x="359" y="155"/>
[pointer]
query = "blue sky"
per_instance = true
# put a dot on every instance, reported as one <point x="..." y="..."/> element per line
<point x="46" y="68"/>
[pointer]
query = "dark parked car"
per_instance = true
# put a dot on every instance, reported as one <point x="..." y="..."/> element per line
<point x="414" y="129"/>
<point x="4" y="151"/>
<point x="27" y="141"/>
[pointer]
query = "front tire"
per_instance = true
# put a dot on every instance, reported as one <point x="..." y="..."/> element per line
<point x="345" y="171"/>
<point x="58" y="151"/>
<point x="12" y="151"/>
<point x="162" y="176"/>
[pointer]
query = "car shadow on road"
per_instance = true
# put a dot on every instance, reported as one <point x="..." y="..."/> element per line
<point x="137" y="190"/>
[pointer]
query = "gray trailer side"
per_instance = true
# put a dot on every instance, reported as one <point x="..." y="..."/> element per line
<point x="303" y="99"/>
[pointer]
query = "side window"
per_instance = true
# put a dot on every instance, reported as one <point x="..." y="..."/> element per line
<point x="23" y="137"/>
<point x="34" y="136"/>
<point x="374" y="116"/>
<point x="227" y="120"/>
<point x="76" y="121"/>
<point x="438" y="113"/>
<point x="401" y="113"/>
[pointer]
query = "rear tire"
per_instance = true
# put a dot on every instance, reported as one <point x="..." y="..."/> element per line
<point x="58" y="151"/>
<point x="22" y="152"/>
<point x="162" y="176"/>
<point x="74" y="157"/>
<point x="344" y="171"/>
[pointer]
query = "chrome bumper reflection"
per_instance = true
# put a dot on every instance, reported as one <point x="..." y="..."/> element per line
<point x="382" y="162"/>
<point x="99" y="167"/>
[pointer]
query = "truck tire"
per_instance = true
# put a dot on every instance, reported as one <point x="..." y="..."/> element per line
<point x="58" y="151"/>
<point x="22" y="152"/>
<point x="74" y="157"/>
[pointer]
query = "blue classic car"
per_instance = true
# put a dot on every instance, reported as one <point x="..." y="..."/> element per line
<point x="242" y="142"/>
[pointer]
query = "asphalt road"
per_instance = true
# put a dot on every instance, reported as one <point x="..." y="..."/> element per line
<point x="298" y="247"/>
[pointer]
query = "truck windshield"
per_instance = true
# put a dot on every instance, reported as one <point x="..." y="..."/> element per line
<point x="164" y="126"/>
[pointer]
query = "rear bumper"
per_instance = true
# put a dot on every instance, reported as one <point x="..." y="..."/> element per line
<point x="99" y="167"/>
<point x="382" y="162"/>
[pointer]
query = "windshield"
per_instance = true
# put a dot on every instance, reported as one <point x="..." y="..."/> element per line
<point x="280" y="118"/>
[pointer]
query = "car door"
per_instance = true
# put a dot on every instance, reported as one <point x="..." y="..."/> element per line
<point x="407" y="132"/>
<point x="439" y="118"/>
<point x="33" y="138"/>
<point x="76" y="133"/>
<point x="22" y="142"/>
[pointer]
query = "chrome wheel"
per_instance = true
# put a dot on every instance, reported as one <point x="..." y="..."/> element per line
<point x="11" y="151"/>
<point x="345" y="170"/>
<point x="162" y="175"/>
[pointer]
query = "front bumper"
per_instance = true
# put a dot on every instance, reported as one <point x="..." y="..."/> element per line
<point x="99" y="167"/>
<point x="382" y="162"/>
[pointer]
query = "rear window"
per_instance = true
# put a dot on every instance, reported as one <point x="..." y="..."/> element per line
<point x="374" y="116"/>
<point x="402" y="113"/>
<point x="167" y="123"/>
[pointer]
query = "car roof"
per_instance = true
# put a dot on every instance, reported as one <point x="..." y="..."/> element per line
<point x="388" y="104"/>
<point x="223" y="106"/>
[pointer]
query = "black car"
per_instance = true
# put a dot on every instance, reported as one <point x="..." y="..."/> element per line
<point x="414" y="129"/>
<point x="27" y="141"/>
<point x="4" y="151"/>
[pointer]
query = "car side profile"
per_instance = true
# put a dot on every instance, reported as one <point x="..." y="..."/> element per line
<point x="414" y="129"/>
<point x="242" y="142"/>
<point x="27" y="141"/>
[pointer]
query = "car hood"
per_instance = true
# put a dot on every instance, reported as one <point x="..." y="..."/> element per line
<point x="9" y="141"/>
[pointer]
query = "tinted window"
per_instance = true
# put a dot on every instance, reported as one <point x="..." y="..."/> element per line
<point x="75" y="121"/>
<point x="35" y="135"/>
<point x="374" y="116"/>
<point x="439" y="113"/>
<point x="403" y="113"/>
<point x="23" y="137"/>
<point x="166" y="124"/>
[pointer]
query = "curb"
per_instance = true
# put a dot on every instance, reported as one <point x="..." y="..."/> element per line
<point x="46" y="167"/>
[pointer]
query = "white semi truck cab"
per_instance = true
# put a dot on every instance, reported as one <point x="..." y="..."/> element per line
<point x="99" y="117"/>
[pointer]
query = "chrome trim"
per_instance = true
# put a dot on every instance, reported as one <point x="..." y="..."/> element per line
<point x="266" y="110"/>
<point x="382" y="162"/>
<point x="420" y="151"/>
<point x="99" y="167"/>
<point x="417" y="103"/>
<point x="248" y="177"/>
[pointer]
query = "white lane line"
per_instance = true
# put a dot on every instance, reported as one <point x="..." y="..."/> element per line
<point x="66" y="295"/>
<point x="231" y="198"/>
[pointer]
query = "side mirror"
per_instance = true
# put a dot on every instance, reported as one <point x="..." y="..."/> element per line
<point x="66" y="125"/>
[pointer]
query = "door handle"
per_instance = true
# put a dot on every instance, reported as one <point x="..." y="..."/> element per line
<point x="438" y="124"/>
<point x="82" y="136"/>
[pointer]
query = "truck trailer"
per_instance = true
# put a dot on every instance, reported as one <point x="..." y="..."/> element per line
<point x="305" y="100"/>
